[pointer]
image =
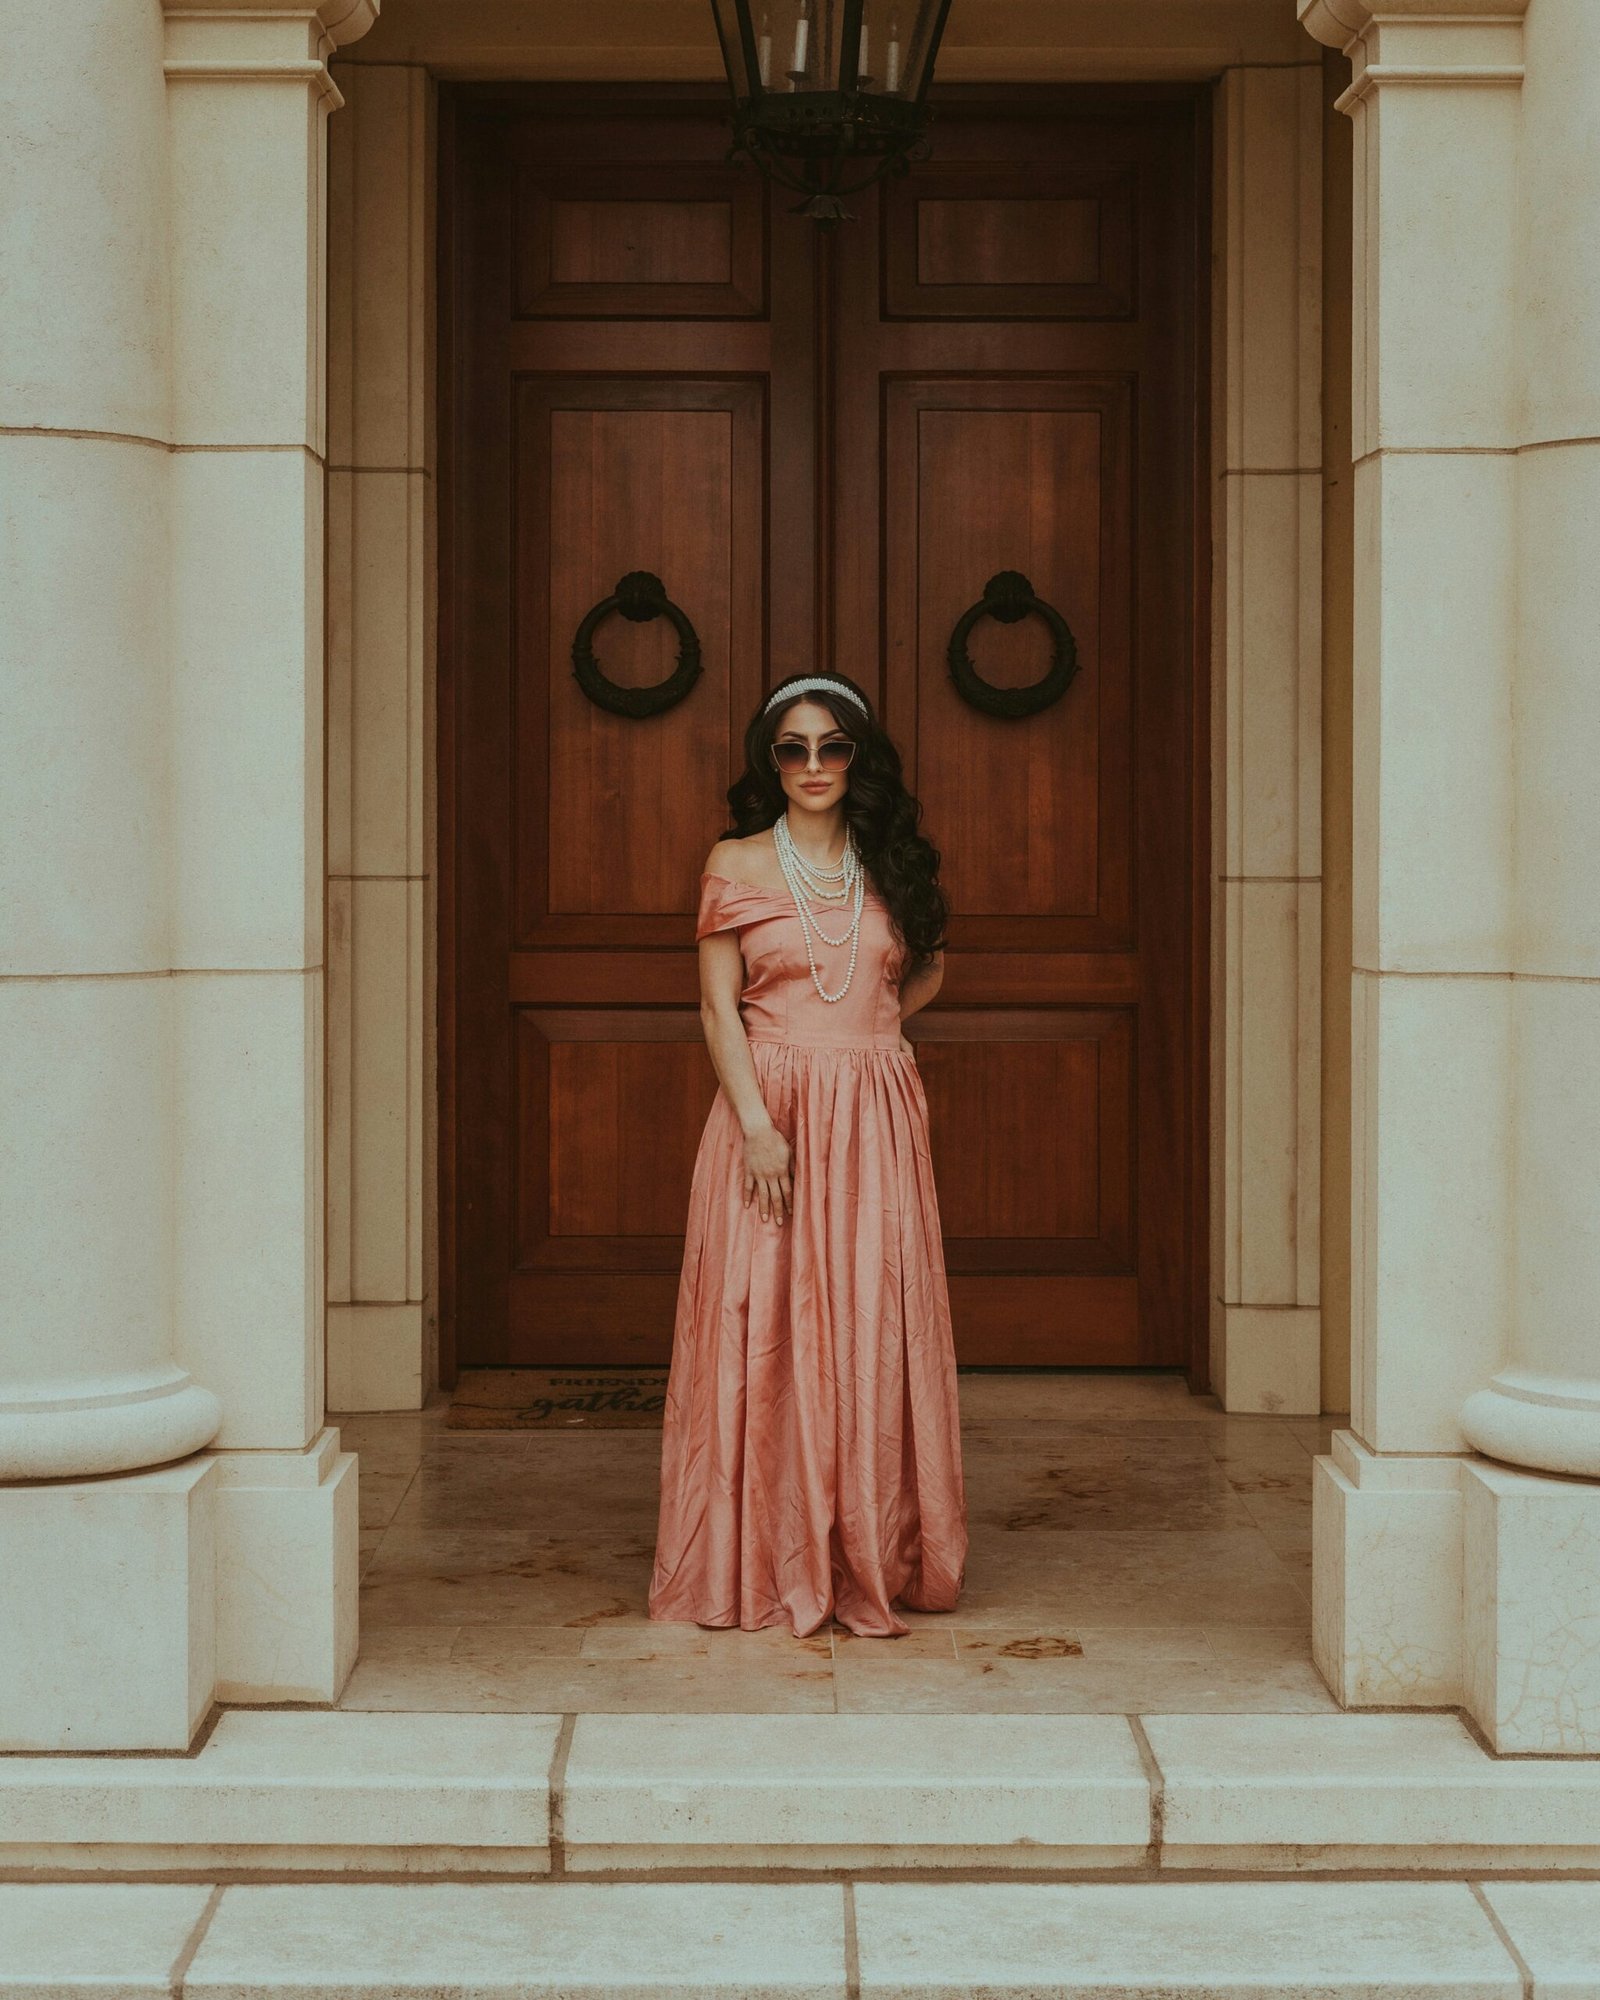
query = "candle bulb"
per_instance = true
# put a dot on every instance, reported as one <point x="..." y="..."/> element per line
<point x="891" y="74"/>
<point x="764" y="51"/>
<point x="802" y="37"/>
<point x="863" y="62"/>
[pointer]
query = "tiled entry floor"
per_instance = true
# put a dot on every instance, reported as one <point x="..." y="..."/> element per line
<point x="1132" y="1548"/>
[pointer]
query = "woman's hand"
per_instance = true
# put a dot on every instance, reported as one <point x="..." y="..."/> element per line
<point x="907" y="1048"/>
<point x="766" y="1173"/>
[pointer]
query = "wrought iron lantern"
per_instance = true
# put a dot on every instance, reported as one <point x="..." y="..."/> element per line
<point x="829" y="95"/>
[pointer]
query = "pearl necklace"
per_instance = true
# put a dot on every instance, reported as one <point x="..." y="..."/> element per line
<point x="806" y="878"/>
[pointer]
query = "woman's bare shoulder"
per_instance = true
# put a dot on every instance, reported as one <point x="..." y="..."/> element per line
<point x="752" y="861"/>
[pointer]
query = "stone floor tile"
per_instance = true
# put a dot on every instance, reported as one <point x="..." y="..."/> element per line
<point x="500" y="1645"/>
<point x="1281" y="1513"/>
<point x="1136" y="1941"/>
<point x="376" y="1941"/>
<point x="1555" y="1926"/>
<point x="1260" y="1642"/>
<point x="500" y="1576"/>
<point x="1105" y="1577"/>
<point x="381" y="1494"/>
<point x="1346" y="1790"/>
<point x="845" y="1791"/>
<point x="1070" y="1397"/>
<point x="1098" y="1644"/>
<point x="1050" y="1488"/>
<point x="59" y="1940"/>
<point x="933" y="1641"/>
<point x="391" y="1643"/>
<point x="514" y="1684"/>
<point x="975" y="1686"/>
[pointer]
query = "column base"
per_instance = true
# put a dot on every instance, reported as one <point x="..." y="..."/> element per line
<point x="108" y="1636"/>
<point x="1532" y="1610"/>
<point x="131" y="1604"/>
<point x="75" y="1429"/>
<point x="1544" y="1421"/>
<point x="1453" y="1582"/>
<point x="1386" y="1577"/>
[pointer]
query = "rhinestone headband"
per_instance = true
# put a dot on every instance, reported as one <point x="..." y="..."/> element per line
<point x="791" y="689"/>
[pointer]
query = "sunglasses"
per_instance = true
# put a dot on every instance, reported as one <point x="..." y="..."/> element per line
<point x="832" y="756"/>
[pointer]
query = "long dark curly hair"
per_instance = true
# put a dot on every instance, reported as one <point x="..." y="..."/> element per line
<point x="900" y="860"/>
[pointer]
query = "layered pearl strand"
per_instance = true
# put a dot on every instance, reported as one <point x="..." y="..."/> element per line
<point x="845" y="883"/>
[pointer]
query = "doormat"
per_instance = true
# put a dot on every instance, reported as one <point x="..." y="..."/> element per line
<point x="554" y="1399"/>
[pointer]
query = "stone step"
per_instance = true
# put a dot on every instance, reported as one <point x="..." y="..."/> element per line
<point x="278" y="1793"/>
<point x="878" y="1940"/>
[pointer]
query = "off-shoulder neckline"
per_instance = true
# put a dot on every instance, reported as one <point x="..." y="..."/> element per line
<point x="756" y="889"/>
<point x="711" y="875"/>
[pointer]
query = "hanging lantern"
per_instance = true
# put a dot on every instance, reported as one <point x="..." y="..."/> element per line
<point x="829" y="95"/>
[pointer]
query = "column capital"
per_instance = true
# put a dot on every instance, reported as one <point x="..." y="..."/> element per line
<point x="1429" y="42"/>
<point x="1341" y="22"/>
<point x="338" y="21"/>
<point x="288" y="41"/>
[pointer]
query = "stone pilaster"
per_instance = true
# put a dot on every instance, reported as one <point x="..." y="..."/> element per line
<point x="1266" y="738"/>
<point x="381" y="1097"/>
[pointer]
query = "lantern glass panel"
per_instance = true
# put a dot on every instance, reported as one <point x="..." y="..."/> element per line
<point x="897" y="42"/>
<point x="780" y="47"/>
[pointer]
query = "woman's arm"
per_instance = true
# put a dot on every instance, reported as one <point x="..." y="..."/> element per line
<point x="921" y="986"/>
<point x="766" y="1151"/>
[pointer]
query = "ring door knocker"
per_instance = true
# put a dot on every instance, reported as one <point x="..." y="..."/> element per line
<point x="1007" y="598"/>
<point x="639" y="596"/>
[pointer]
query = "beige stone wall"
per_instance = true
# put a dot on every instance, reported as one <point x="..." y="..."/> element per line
<point x="382" y="1097"/>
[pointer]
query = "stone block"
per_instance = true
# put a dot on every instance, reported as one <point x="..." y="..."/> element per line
<point x="1532" y="1620"/>
<point x="847" y="1791"/>
<point x="110" y="1638"/>
<point x="1132" y="1941"/>
<point x="1310" y="1792"/>
<point x="61" y="1939"/>
<point x="276" y="1792"/>
<point x="1386" y="1577"/>
<point x="288" y="1554"/>
<point x="633" y="1941"/>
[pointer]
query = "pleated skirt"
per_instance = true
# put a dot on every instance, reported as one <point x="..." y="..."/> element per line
<point x="811" y="1455"/>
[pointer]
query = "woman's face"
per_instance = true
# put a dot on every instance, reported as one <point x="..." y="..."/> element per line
<point x="812" y="789"/>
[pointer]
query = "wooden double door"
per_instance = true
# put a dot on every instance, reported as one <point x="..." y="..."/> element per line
<point x="824" y="447"/>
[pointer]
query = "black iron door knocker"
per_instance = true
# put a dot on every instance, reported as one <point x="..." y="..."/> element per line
<point x="639" y="596"/>
<point x="1007" y="598"/>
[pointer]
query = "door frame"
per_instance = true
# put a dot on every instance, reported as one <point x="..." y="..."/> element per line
<point x="1202" y="953"/>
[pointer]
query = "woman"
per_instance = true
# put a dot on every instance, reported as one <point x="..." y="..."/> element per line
<point x="811" y="1461"/>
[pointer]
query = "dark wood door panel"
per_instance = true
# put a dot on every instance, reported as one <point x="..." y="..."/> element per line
<point x="611" y="812"/>
<point x="610" y="1104"/>
<point x="1032" y="1114"/>
<point x="1012" y="240"/>
<point x="592" y="243"/>
<point x="1036" y="815"/>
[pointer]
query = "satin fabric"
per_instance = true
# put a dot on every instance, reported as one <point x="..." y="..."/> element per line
<point x="811" y="1457"/>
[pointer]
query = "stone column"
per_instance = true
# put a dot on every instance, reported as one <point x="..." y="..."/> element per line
<point x="88" y="1378"/>
<point x="1476" y="1251"/>
<point x="161" y="878"/>
<point x="1532" y="1621"/>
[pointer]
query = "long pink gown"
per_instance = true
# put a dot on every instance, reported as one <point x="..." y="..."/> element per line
<point x="811" y="1458"/>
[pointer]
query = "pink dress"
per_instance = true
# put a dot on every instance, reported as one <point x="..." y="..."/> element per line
<point x="811" y="1459"/>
